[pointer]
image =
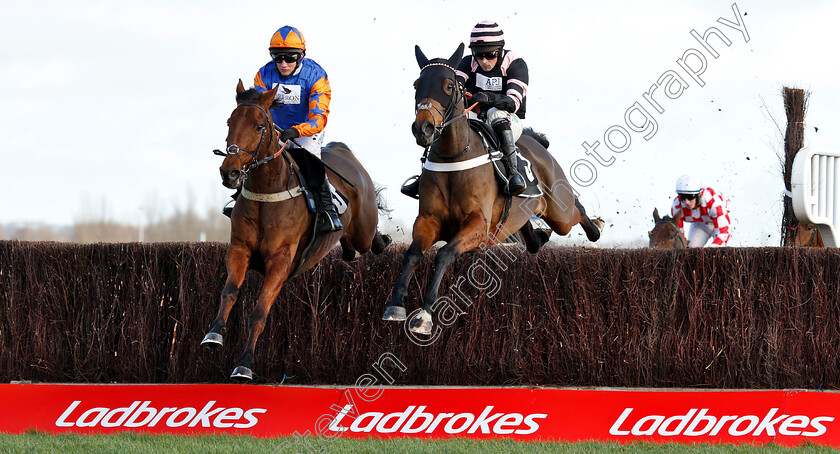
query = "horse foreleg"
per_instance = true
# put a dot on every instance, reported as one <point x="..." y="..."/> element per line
<point x="276" y="273"/>
<point x="593" y="231"/>
<point x="426" y="231"/>
<point x="473" y="232"/>
<point x="236" y="262"/>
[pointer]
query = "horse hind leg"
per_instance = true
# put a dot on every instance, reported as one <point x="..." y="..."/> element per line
<point x="591" y="227"/>
<point x="364" y="243"/>
<point x="593" y="232"/>
<point x="380" y="242"/>
<point x="534" y="239"/>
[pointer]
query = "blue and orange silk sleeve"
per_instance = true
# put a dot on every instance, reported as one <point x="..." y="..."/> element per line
<point x="319" y="108"/>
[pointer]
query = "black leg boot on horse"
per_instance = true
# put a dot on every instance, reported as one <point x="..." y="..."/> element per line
<point x="516" y="184"/>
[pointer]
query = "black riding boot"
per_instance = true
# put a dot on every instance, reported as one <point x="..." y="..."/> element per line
<point x="227" y="210"/>
<point x="516" y="184"/>
<point x="328" y="219"/>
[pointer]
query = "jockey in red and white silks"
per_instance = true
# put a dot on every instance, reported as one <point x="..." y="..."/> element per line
<point x="706" y="209"/>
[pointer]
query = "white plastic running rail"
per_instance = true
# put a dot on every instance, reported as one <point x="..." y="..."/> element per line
<point x="815" y="184"/>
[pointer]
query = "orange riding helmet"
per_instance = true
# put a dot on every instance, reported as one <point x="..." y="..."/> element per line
<point x="288" y="37"/>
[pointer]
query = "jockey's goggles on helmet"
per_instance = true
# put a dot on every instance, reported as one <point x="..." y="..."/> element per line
<point x="285" y="56"/>
<point x="687" y="197"/>
<point x="486" y="55"/>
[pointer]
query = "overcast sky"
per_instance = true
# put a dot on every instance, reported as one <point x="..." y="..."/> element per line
<point x="112" y="108"/>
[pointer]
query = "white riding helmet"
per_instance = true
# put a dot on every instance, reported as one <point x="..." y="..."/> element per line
<point x="688" y="184"/>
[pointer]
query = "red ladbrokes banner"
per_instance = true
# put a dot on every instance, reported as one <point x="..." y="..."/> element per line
<point x="784" y="417"/>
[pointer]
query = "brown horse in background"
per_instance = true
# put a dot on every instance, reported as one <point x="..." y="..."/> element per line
<point x="464" y="208"/>
<point x="666" y="233"/>
<point x="271" y="225"/>
<point x="807" y="235"/>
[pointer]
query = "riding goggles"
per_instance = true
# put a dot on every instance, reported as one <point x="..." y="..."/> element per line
<point x="486" y="55"/>
<point x="286" y="57"/>
<point x="687" y="197"/>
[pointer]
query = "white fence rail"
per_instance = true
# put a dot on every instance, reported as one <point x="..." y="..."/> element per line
<point x="815" y="184"/>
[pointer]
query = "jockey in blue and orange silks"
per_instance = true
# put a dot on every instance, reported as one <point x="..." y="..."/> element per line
<point x="300" y="110"/>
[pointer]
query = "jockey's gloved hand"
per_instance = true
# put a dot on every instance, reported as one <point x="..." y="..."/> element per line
<point x="290" y="133"/>
<point x="485" y="98"/>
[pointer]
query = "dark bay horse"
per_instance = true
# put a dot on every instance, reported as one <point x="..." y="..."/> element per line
<point x="666" y="234"/>
<point x="271" y="224"/>
<point x="464" y="207"/>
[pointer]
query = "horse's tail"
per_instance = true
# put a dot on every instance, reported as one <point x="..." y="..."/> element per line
<point x="538" y="136"/>
<point x="380" y="240"/>
<point x="380" y="200"/>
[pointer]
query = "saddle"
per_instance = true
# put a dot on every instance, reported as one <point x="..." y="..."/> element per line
<point x="339" y="199"/>
<point x="523" y="165"/>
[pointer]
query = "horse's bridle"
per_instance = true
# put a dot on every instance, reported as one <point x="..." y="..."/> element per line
<point x="448" y="116"/>
<point x="234" y="149"/>
<point x="812" y="241"/>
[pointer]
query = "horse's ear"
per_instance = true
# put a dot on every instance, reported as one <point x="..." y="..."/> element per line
<point x="656" y="214"/>
<point x="456" y="57"/>
<point x="421" y="59"/>
<point x="268" y="97"/>
<point x="240" y="88"/>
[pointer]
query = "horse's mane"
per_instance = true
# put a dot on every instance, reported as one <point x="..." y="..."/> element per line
<point x="251" y="94"/>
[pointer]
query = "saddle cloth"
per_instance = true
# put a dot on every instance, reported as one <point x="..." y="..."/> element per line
<point x="339" y="199"/>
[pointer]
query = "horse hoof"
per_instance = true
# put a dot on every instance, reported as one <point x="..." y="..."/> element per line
<point x="394" y="314"/>
<point x="242" y="374"/>
<point x="421" y="323"/>
<point x="213" y="341"/>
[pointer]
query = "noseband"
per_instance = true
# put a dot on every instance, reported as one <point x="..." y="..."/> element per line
<point x="234" y="149"/>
